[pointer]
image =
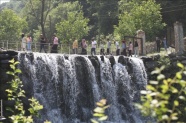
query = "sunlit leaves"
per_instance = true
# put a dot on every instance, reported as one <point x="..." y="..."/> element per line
<point x="11" y="25"/>
<point x="164" y="96"/>
<point x="16" y="93"/>
<point x="139" y="15"/>
<point x="74" y="27"/>
<point x="99" y="111"/>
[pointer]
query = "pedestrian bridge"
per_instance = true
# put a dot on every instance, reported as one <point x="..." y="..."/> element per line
<point x="64" y="49"/>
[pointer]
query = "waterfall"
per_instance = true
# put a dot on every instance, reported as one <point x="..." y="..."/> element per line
<point x="68" y="86"/>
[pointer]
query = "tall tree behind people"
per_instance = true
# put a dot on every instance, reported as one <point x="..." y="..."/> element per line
<point x="40" y="9"/>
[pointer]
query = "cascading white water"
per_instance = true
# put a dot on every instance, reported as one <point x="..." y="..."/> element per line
<point x="69" y="86"/>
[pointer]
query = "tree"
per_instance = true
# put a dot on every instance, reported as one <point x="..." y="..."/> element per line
<point x="11" y="25"/>
<point x="74" y="27"/>
<point x="143" y="15"/>
<point x="40" y="10"/>
<point x="104" y="14"/>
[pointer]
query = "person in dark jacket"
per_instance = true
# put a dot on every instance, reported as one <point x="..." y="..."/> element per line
<point x="42" y="43"/>
<point x="158" y="43"/>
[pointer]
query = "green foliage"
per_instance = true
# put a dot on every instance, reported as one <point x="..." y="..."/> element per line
<point x="104" y="15"/>
<point x="15" y="93"/>
<point x="164" y="61"/>
<point x="74" y="27"/>
<point x="99" y="112"/>
<point x="164" y="98"/>
<point x="144" y="15"/>
<point x="11" y="25"/>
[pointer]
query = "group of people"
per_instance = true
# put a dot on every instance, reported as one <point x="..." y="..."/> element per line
<point x="131" y="48"/>
<point x="26" y="43"/>
<point x="83" y="47"/>
<point x="159" y="42"/>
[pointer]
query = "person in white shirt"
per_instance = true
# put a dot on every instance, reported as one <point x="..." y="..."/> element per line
<point x="93" y="49"/>
<point x="117" y="48"/>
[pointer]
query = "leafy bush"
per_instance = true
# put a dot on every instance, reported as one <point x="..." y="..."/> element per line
<point x="163" y="97"/>
<point x="16" y="93"/>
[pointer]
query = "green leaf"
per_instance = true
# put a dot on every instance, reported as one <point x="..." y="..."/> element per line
<point x="17" y="71"/>
<point x="103" y="118"/>
<point x="93" y="121"/>
<point x="180" y="65"/>
<point x="98" y="110"/>
<point x="182" y="97"/>
<point x="98" y="115"/>
<point x="176" y="103"/>
<point x="153" y="82"/>
<point x="160" y="77"/>
<point x="12" y="61"/>
<point x="178" y="75"/>
<point x="157" y="71"/>
<point x="150" y="87"/>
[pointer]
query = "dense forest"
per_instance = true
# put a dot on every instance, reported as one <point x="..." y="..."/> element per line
<point x="77" y="19"/>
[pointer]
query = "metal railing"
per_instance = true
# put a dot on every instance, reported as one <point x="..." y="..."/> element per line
<point x="64" y="49"/>
<point x="1" y="111"/>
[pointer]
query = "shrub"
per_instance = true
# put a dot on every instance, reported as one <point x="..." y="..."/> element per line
<point x="16" y="93"/>
<point x="163" y="97"/>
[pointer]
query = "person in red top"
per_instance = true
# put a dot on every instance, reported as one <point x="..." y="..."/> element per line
<point x="55" y="44"/>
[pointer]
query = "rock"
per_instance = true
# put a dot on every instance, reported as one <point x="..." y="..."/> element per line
<point x="4" y="56"/>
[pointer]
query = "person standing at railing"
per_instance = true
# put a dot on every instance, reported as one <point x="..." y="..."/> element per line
<point x="136" y="49"/>
<point x="130" y="49"/>
<point x="75" y="46"/>
<point x="117" y="48"/>
<point x="29" y="43"/>
<point x="108" y="46"/>
<point x="93" y="49"/>
<point x="42" y="43"/>
<point x="55" y="44"/>
<point x="23" y="42"/>
<point x="124" y="47"/>
<point x="84" y="47"/>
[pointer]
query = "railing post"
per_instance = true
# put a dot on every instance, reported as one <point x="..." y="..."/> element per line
<point x="17" y="46"/>
<point x="61" y="48"/>
<point x="49" y="48"/>
<point x="1" y="116"/>
<point x="7" y="45"/>
<point x="3" y="44"/>
<point x="69" y="50"/>
<point x="35" y="47"/>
